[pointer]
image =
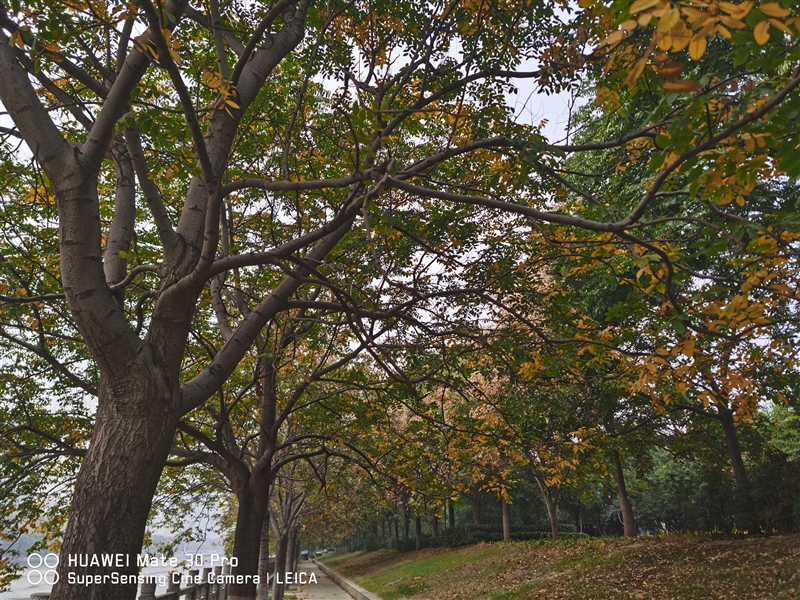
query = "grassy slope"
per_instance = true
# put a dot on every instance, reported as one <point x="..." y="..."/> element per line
<point x="669" y="568"/>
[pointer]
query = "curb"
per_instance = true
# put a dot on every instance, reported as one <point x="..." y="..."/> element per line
<point x="356" y="591"/>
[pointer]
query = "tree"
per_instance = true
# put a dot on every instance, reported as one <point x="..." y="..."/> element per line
<point x="200" y="111"/>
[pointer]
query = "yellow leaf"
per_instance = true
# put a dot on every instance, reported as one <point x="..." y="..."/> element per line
<point x="773" y="9"/>
<point x="761" y="33"/>
<point x="16" y="37"/>
<point x="641" y="5"/>
<point x="697" y="47"/>
<point x="629" y="25"/>
<point x="737" y="11"/>
<point x="669" y="20"/>
<point x="614" y="38"/>
<point x="232" y="104"/>
<point x="636" y="71"/>
<point x="693" y="14"/>
<point x="781" y="26"/>
<point x="731" y="22"/>
<point x="681" y="36"/>
<point x="52" y="47"/>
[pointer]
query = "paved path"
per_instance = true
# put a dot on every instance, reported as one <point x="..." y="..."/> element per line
<point x="324" y="589"/>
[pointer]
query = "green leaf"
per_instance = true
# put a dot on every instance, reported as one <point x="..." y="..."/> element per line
<point x="742" y="56"/>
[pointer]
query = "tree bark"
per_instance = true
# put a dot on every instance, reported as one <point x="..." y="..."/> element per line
<point x="435" y="526"/>
<point x="628" y="522"/>
<point x="280" y="568"/>
<point x="451" y="511"/>
<point x="407" y="524"/>
<point x="110" y="506"/>
<point x="746" y="519"/>
<point x="291" y="551"/>
<point x="418" y="532"/>
<point x="506" y="522"/>
<point x="552" y="507"/>
<point x="247" y="537"/>
<point x="263" y="560"/>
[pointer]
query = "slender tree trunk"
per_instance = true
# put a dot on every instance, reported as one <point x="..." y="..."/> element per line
<point x="278" y="583"/>
<point x="451" y="513"/>
<point x="263" y="560"/>
<point x="418" y="532"/>
<point x="577" y="516"/>
<point x="552" y="507"/>
<point x="397" y="532"/>
<point x="124" y="460"/>
<point x="407" y="529"/>
<point x="291" y="552"/>
<point x="628" y="522"/>
<point x="506" y="522"/>
<point x="475" y="498"/>
<point x="435" y="526"/>
<point x="746" y="519"/>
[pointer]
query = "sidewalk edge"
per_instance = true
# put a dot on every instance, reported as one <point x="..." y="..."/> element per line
<point x="356" y="591"/>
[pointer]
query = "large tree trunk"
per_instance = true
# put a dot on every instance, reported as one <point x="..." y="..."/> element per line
<point x="418" y="532"/>
<point x="118" y="478"/>
<point x="247" y="537"/>
<point x="451" y="511"/>
<point x="506" y="523"/>
<point x="628" y="522"/>
<point x="746" y="519"/>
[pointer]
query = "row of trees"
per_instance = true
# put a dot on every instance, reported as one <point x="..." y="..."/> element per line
<point x="270" y="244"/>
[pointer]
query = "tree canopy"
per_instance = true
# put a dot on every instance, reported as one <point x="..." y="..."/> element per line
<point x="224" y="221"/>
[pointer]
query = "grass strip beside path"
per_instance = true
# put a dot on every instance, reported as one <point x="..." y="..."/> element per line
<point x="674" y="567"/>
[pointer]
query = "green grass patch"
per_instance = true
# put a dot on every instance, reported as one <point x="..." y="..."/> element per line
<point x="410" y="578"/>
<point x="661" y="568"/>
